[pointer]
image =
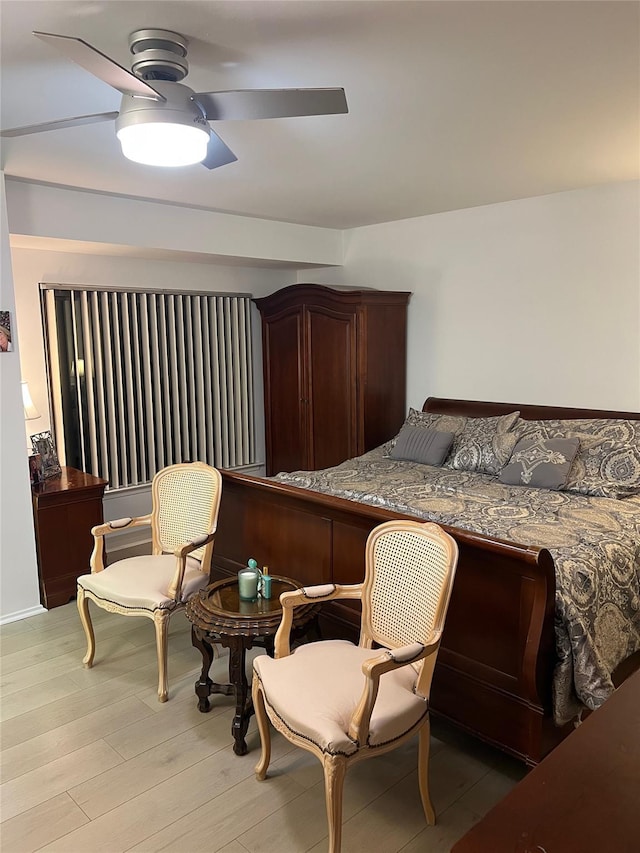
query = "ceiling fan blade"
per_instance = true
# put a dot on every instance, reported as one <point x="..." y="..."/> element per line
<point x="271" y="103"/>
<point x="57" y="125"/>
<point x="101" y="66"/>
<point x="218" y="154"/>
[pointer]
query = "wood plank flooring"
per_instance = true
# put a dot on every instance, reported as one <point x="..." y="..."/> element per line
<point x="91" y="762"/>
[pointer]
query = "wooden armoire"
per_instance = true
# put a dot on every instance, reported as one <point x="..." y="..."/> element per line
<point x="334" y="373"/>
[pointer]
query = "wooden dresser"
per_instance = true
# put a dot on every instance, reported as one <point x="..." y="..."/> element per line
<point x="584" y="796"/>
<point x="334" y="373"/>
<point x="65" y="508"/>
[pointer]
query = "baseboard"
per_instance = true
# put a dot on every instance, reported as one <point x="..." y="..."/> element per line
<point x="22" y="614"/>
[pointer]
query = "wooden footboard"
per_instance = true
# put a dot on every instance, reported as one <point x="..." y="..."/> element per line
<point x="496" y="660"/>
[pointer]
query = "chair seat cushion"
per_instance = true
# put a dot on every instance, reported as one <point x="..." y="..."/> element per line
<point x="329" y="681"/>
<point x="141" y="583"/>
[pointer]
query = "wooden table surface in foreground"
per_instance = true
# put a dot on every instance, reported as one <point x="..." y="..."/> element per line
<point x="582" y="798"/>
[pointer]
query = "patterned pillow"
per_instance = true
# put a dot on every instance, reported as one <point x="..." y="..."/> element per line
<point x="617" y="429"/>
<point x="540" y="463"/>
<point x="428" y="420"/>
<point x="605" y="468"/>
<point x="416" y="444"/>
<point x="484" y="445"/>
<point x="608" y="461"/>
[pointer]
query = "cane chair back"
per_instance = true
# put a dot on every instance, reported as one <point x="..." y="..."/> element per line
<point x="186" y="499"/>
<point x="407" y="584"/>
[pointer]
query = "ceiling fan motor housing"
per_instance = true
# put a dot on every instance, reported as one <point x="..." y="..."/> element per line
<point x="159" y="55"/>
<point x="179" y="108"/>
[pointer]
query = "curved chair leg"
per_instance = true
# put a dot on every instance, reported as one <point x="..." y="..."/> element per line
<point x="423" y="772"/>
<point x="85" y="618"/>
<point x="335" y="769"/>
<point x="263" y="727"/>
<point x="161" y="620"/>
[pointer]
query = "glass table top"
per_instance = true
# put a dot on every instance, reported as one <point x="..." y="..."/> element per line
<point x="224" y="597"/>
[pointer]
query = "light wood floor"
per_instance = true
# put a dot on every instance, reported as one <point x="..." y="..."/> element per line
<point x="91" y="762"/>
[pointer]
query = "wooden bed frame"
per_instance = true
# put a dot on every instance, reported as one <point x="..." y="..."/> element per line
<point x="495" y="666"/>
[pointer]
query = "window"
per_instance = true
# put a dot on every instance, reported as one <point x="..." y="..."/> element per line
<point x="141" y="380"/>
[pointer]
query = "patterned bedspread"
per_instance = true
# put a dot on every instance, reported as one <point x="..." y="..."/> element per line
<point x="595" y="544"/>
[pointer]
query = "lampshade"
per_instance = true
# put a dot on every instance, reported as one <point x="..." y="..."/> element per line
<point x="164" y="143"/>
<point x="30" y="411"/>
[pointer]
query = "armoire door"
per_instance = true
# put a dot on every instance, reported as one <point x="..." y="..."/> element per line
<point x="286" y="430"/>
<point x="334" y="373"/>
<point x="331" y="338"/>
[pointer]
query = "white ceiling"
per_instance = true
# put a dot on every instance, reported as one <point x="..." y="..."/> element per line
<point x="451" y="104"/>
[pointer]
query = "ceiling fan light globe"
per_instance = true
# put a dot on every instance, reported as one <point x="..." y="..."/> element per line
<point x="164" y="143"/>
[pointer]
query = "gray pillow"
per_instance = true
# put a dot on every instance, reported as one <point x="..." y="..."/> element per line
<point x="427" y="420"/>
<point x="540" y="463"/>
<point x="418" y="444"/>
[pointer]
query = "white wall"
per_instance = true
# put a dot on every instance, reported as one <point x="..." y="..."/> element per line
<point x="56" y="213"/>
<point x="19" y="594"/>
<point x="530" y="301"/>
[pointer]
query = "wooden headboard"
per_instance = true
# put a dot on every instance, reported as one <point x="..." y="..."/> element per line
<point x="481" y="409"/>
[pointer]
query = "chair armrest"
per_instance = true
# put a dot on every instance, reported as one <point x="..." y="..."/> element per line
<point x="196" y="543"/>
<point x="120" y="524"/>
<point x="308" y="595"/>
<point x="101" y="530"/>
<point x="321" y="592"/>
<point x="181" y="553"/>
<point x="373" y="668"/>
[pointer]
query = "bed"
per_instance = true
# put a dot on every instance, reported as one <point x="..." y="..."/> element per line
<point x="538" y="569"/>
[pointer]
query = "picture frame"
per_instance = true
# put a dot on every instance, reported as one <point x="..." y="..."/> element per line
<point x="42" y="443"/>
<point x="35" y="468"/>
<point x="5" y="332"/>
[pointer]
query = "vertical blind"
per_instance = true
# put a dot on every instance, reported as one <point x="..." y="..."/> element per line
<point x="141" y="380"/>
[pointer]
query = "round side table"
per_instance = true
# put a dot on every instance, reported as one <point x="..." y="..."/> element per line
<point x="218" y="615"/>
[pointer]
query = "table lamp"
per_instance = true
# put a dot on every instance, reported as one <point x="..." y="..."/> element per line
<point x="30" y="411"/>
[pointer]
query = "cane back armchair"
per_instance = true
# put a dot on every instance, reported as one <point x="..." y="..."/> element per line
<point x="345" y="703"/>
<point x="185" y="504"/>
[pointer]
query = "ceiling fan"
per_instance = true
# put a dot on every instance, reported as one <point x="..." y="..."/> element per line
<point x="163" y="122"/>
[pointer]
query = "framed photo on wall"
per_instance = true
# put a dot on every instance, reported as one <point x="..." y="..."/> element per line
<point x="42" y="443"/>
<point x="5" y="332"/>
